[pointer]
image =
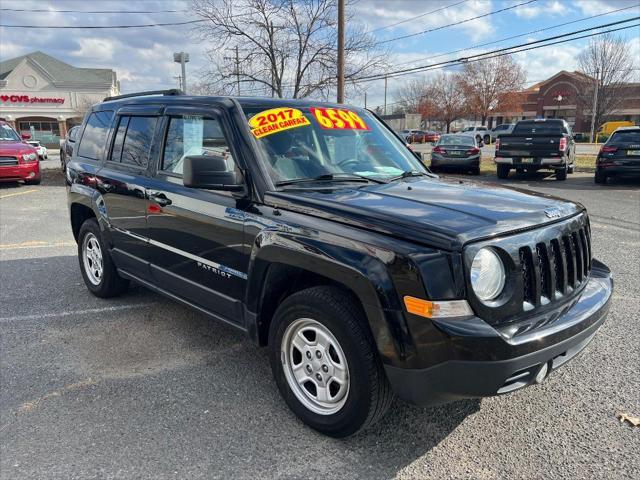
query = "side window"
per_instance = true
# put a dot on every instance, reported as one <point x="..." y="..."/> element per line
<point x="194" y="135"/>
<point x="95" y="135"/>
<point x="132" y="142"/>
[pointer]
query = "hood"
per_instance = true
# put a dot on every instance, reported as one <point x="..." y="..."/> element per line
<point x="441" y="213"/>
<point x="10" y="148"/>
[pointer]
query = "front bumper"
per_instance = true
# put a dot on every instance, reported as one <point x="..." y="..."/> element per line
<point x="485" y="361"/>
<point x="22" y="171"/>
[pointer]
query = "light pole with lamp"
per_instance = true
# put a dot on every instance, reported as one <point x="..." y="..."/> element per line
<point x="182" y="58"/>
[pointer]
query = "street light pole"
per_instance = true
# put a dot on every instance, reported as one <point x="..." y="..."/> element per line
<point x="340" y="51"/>
<point x="595" y="105"/>
<point x="182" y="58"/>
<point x="385" y="95"/>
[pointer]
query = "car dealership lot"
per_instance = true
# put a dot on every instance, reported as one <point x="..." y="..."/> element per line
<point x="140" y="387"/>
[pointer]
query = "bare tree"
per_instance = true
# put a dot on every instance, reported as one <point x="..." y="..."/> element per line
<point x="410" y="95"/>
<point x="446" y="98"/>
<point x="484" y="82"/>
<point x="607" y="65"/>
<point x="280" y="47"/>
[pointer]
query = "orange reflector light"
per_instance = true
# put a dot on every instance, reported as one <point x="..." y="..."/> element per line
<point x="440" y="309"/>
<point x="418" y="306"/>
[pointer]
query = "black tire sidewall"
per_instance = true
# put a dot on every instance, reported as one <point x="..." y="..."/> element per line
<point x="355" y="411"/>
<point x="106" y="287"/>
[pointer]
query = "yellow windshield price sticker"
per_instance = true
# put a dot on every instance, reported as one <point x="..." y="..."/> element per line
<point x="276" y="120"/>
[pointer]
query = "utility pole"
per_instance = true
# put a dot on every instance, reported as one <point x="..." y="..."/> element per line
<point x="365" y="99"/>
<point x="236" y="59"/>
<point x="595" y="105"/>
<point x="340" y="51"/>
<point x="182" y="58"/>
<point x="385" y="95"/>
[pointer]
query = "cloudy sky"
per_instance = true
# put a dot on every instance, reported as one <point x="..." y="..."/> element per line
<point x="143" y="57"/>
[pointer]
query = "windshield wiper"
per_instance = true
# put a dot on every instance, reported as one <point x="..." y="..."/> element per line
<point x="330" y="177"/>
<point x="407" y="174"/>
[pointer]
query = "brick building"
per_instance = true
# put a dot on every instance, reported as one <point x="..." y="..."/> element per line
<point x="558" y="97"/>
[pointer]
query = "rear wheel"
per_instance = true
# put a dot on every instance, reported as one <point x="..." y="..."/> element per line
<point x="325" y="362"/>
<point x="475" y="171"/>
<point x="487" y="139"/>
<point x="561" y="174"/>
<point x="503" y="170"/>
<point x="98" y="271"/>
<point x="600" y="177"/>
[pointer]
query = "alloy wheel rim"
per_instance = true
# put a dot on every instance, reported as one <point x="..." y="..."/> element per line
<point x="315" y="366"/>
<point x="92" y="259"/>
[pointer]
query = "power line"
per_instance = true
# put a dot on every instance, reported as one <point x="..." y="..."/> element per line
<point x="462" y="60"/>
<point x="518" y="36"/>
<point x="44" y="10"/>
<point x="456" y="23"/>
<point x="417" y="16"/>
<point x="94" y="27"/>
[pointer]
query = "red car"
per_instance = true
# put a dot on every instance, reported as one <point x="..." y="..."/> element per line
<point x="420" y="136"/>
<point x="18" y="160"/>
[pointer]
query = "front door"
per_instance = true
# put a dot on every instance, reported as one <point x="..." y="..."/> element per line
<point x="196" y="238"/>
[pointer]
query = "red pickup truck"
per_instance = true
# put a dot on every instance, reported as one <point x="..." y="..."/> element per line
<point x="18" y="160"/>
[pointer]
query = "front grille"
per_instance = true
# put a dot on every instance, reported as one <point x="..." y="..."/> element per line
<point x="556" y="267"/>
<point x="7" y="161"/>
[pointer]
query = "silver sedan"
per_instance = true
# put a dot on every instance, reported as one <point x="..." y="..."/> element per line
<point x="456" y="151"/>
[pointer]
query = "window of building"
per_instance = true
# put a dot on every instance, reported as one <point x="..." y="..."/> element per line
<point x="194" y="135"/>
<point x="43" y="131"/>
<point x="132" y="143"/>
<point x="95" y="135"/>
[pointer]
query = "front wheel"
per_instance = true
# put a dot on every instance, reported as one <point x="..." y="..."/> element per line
<point x="325" y="363"/>
<point x="503" y="170"/>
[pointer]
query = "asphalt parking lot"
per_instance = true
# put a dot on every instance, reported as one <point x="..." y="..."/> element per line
<point x="139" y="387"/>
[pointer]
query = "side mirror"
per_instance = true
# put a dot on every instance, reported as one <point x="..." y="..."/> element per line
<point x="26" y="136"/>
<point x="210" y="172"/>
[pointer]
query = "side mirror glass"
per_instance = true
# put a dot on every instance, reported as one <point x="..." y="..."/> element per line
<point x="210" y="172"/>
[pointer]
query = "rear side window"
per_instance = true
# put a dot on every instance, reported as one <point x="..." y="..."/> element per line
<point x="194" y="135"/>
<point x="539" y="128"/>
<point x="625" y="137"/>
<point x="132" y="143"/>
<point x="95" y="135"/>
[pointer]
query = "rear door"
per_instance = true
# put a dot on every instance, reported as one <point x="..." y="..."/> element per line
<point x="122" y="182"/>
<point x="196" y="237"/>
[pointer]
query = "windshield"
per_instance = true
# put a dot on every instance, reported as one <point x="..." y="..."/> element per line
<point x="457" y="140"/>
<point x="336" y="144"/>
<point x="7" y="133"/>
<point x="539" y="128"/>
<point x="632" y="136"/>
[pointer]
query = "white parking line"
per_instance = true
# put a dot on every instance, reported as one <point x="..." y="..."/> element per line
<point x="88" y="311"/>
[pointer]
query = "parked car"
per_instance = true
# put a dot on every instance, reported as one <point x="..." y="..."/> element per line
<point x="18" y="159"/>
<point x="498" y="130"/>
<point x="410" y="134"/>
<point x="541" y="144"/>
<point x="620" y="155"/>
<point x="314" y="230"/>
<point x="476" y="132"/>
<point x="41" y="149"/>
<point x="66" y="150"/>
<point x="456" y="151"/>
<point x="431" y="136"/>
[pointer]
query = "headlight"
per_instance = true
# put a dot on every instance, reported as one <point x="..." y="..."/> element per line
<point x="29" y="157"/>
<point x="487" y="274"/>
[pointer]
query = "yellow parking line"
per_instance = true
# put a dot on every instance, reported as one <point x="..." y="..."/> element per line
<point x="22" y="192"/>
<point x="34" y="244"/>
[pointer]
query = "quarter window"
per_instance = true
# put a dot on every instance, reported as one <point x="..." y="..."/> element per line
<point x="194" y="135"/>
<point x="95" y="135"/>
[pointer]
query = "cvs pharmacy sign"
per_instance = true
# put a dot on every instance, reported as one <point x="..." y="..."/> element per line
<point x="28" y="99"/>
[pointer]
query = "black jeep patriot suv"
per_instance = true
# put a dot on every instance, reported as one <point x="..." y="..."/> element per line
<point x="312" y="228"/>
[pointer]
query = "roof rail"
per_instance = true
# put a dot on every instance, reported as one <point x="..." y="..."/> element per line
<point x="173" y="91"/>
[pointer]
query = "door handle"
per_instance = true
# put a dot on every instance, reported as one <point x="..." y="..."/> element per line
<point x="160" y="198"/>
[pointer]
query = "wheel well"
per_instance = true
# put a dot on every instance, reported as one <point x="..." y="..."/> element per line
<point x="79" y="214"/>
<point x="284" y="280"/>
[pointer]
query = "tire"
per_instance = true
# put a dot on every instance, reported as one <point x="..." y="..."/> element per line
<point x="487" y="139"/>
<point x="561" y="175"/>
<point x="571" y="169"/>
<point x="600" y="177"/>
<point x="307" y="316"/>
<point x="475" y="171"/>
<point x="107" y="283"/>
<point x="503" y="170"/>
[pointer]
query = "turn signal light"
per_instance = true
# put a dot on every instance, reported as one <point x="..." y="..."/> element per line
<point x="563" y="144"/>
<point x="438" y="150"/>
<point x="429" y="309"/>
<point x="606" y="149"/>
